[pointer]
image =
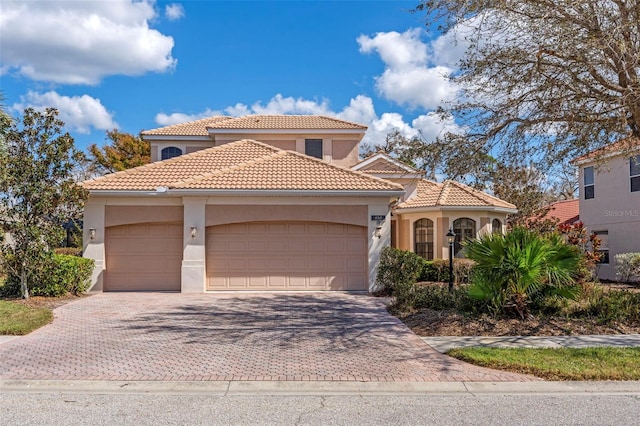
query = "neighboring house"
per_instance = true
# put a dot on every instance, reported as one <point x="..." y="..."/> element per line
<point x="566" y="212"/>
<point x="268" y="202"/>
<point x="610" y="200"/>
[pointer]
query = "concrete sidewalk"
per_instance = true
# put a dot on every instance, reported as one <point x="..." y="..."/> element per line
<point x="444" y="343"/>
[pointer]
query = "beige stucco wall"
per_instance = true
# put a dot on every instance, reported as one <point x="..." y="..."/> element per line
<point x="200" y="212"/>
<point x="338" y="149"/>
<point x="614" y="208"/>
<point x="442" y="220"/>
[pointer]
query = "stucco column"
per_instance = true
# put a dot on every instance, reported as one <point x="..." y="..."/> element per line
<point x="194" y="268"/>
<point x="440" y="238"/>
<point x="379" y="235"/>
<point x="485" y="225"/>
<point x="93" y="246"/>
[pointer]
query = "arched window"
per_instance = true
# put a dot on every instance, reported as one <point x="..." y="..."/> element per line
<point x="465" y="229"/>
<point x="496" y="226"/>
<point x="423" y="238"/>
<point x="170" y="152"/>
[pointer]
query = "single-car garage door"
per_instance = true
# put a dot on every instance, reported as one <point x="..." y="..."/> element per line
<point x="144" y="257"/>
<point x="286" y="256"/>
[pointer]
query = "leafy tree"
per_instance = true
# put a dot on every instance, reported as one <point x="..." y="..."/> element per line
<point x="37" y="192"/>
<point x="522" y="186"/>
<point x="544" y="79"/>
<point x="512" y="269"/>
<point x="125" y="151"/>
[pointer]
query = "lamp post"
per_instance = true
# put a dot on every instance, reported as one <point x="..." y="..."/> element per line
<point x="451" y="237"/>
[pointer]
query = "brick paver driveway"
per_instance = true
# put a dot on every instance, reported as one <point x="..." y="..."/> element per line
<point x="173" y="336"/>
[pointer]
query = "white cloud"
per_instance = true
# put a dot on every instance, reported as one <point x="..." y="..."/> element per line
<point x="410" y="77"/>
<point x="174" y="11"/>
<point x="79" y="113"/>
<point x="179" y="117"/>
<point x="289" y="105"/>
<point x="80" y="42"/>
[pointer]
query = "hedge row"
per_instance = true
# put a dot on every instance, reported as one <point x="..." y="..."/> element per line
<point x="58" y="274"/>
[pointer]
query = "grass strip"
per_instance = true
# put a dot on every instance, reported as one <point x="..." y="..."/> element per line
<point x="17" y="319"/>
<point x="601" y="363"/>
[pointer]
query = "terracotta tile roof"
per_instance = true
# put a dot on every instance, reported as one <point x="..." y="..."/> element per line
<point x="451" y="194"/>
<point x="241" y="165"/>
<point x="191" y="128"/>
<point x="567" y="211"/>
<point x="624" y="145"/>
<point x="288" y="122"/>
<point x="254" y="122"/>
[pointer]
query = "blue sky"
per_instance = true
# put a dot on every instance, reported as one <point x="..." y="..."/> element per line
<point x="144" y="64"/>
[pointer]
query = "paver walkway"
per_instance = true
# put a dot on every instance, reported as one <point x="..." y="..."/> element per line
<point x="173" y="336"/>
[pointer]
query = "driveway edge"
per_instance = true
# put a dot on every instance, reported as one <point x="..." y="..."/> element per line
<point x="227" y="388"/>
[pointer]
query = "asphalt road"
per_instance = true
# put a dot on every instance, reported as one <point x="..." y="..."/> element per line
<point x="61" y="408"/>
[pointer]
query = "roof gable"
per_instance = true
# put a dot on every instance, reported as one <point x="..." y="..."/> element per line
<point x="382" y="163"/>
<point x="241" y="165"/>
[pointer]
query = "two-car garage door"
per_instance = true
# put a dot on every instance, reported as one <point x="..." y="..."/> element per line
<point x="254" y="256"/>
<point x="286" y="256"/>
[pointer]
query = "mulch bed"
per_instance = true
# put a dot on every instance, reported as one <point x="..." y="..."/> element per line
<point x="48" y="302"/>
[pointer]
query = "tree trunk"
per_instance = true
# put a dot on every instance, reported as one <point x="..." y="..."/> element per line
<point x="23" y="283"/>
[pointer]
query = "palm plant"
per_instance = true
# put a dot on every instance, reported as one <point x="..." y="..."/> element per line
<point x="514" y="268"/>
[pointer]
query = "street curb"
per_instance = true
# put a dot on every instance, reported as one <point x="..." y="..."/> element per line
<point x="234" y="388"/>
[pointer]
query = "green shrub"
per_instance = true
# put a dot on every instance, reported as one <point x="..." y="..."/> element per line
<point x="609" y="306"/>
<point x="514" y="269"/>
<point x="438" y="298"/>
<point x="70" y="251"/>
<point x="627" y="266"/>
<point x="57" y="275"/>
<point x="398" y="272"/>
<point x="437" y="270"/>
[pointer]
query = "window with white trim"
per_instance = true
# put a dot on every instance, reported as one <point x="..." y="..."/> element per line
<point x="496" y="226"/>
<point x="589" y="183"/>
<point x="634" y="173"/>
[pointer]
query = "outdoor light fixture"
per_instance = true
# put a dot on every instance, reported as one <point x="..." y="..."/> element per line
<point x="194" y="232"/>
<point x="92" y="233"/>
<point x="378" y="233"/>
<point x="451" y="238"/>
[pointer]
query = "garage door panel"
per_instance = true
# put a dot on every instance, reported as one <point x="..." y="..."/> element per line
<point x="286" y="256"/>
<point x="143" y="257"/>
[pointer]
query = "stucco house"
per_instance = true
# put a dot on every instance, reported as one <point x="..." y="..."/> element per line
<point x="268" y="202"/>
<point x="610" y="200"/>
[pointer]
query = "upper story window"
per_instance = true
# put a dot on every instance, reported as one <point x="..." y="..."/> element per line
<point x="589" y="183"/>
<point x="634" y="173"/>
<point x="313" y="147"/>
<point x="171" y="152"/>
<point x="423" y="238"/>
<point x="496" y="226"/>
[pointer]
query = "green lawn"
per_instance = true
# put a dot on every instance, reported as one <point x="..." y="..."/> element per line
<point x="559" y="364"/>
<point x="18" y="319"/>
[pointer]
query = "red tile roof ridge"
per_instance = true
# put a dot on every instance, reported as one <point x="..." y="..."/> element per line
<point x="629" y="143"/>
<point x="258" y="116"/>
